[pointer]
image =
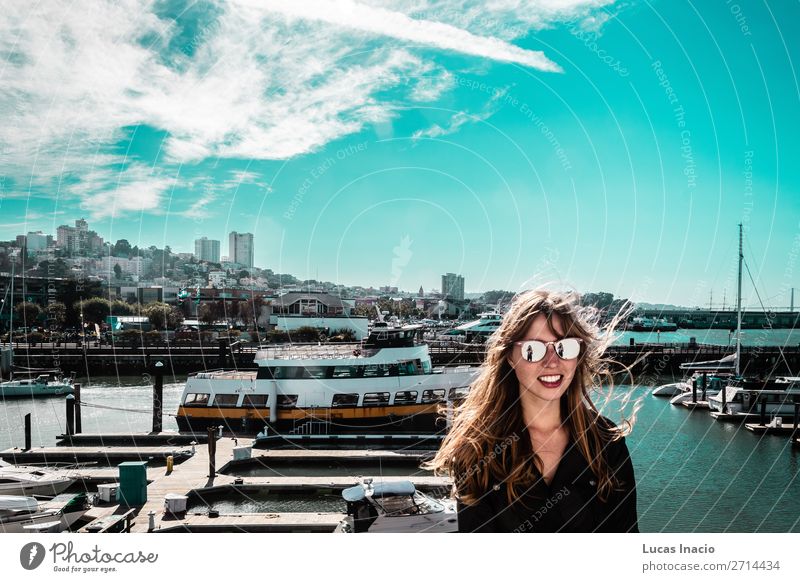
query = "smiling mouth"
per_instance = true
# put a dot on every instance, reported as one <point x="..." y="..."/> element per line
<point x="553" y="381"/>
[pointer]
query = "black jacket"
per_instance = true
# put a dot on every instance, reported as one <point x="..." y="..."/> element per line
<point x="569" y="504"/>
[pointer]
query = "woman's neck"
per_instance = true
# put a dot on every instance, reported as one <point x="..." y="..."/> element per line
<point x="540" y="415"/>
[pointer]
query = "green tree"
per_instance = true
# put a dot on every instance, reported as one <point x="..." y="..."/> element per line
<point x="119" y="307"/>
<point x="117" y="271"/>
<point x="162" y="315"/>
<point x="122" y="248"/>
<point x="56" y="313"/>
<point x="208" y="312"/>
<point x="95" y="310"/>
<point x="28" y="313"/>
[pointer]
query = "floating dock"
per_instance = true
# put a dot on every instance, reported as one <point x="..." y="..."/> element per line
<point x="784" y="429"/>
<point x="193" y="478"/>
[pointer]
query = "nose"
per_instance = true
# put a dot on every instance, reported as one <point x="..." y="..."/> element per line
<point x="550" y="356"/>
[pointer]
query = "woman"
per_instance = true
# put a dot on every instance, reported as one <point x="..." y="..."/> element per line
<point x="528" y="450"/>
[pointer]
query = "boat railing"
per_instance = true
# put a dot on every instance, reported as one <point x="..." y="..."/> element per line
<point x="343" y="351"/>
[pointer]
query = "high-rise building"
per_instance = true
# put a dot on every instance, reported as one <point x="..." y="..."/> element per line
<point x="453" y="286"/>
<point x="206" y="250"/>
<point x="74" y="239"/>
<point x="240" y="248"/>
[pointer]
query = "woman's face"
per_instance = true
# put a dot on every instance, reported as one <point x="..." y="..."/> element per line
<point x="548" y="379"/>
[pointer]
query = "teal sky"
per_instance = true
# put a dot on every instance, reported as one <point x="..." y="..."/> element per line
<point x="591" y="144"/>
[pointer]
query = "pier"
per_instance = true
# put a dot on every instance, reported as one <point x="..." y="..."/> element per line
<point x="90" y="359"/>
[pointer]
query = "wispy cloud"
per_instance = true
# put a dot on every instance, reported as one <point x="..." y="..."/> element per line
<point x="250" y="81"/>
<point x="460" y="118"/>
<point x="390" y="23"/>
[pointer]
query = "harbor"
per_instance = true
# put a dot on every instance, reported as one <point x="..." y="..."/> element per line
<point x="743" y="481"/>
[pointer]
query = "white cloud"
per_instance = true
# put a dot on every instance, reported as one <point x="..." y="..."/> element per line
<point x="460" y="118"/>
<point x="267" y="81"/>
<point x="380" y="21"/>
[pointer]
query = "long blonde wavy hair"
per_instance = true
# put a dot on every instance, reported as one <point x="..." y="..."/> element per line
<point x="488" y="440"/>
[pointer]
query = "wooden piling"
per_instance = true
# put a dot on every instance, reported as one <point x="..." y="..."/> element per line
<point x="212" y="450"/>
<point x="28" y="431"/>
<point x="763" y="411"/>
<point x="78" y="423"/>
<point x="70" y="404"/>
<point x="158" y="394"/>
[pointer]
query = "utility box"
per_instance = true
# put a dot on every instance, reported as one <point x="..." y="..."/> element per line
<point x="132" y="489"/>
<point x="242" y="453"/>
<point x="175" y="503"/>
<point x="107" y="492"/>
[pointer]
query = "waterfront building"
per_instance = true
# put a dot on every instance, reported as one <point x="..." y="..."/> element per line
<point x="298" y="303"/>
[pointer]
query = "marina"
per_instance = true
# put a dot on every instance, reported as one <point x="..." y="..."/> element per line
<point x="744" y="481"/>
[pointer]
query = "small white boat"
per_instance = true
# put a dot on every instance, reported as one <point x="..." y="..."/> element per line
<point x="745" y="397"/>
<point x="672" y="389"/>
<point x="42" y="385"/>
<point x="396" y="507"/>
<point x="723" y="368"/>
<point x="31" y="481"/>
<point x="23" y="514"/>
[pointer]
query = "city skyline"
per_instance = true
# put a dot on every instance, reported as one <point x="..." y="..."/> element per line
<point x="592" y="145"/>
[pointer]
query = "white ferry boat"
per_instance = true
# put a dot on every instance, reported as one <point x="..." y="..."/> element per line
<point x="386" y="384"/>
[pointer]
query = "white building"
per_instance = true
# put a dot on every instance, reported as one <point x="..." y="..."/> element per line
<point x="217" y="279"/>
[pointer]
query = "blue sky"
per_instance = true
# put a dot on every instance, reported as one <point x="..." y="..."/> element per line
<point x="588" y="144"/>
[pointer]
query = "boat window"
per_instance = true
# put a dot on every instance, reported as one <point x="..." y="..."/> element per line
<point x="313" y="373"/>
<point x="287" y="400"/>
<point x="405" y="397"/>
<point x="345" y="372"/>
<point x="255" y="400"/>
<point x="376" y="399"/>
<point x="434" y="395"/>
<point x="198" y="399"/>
<point x="265" y="373"/>
<point x="285" y="372"/>
<point x="345" y="400"/>
<point x="456" y="393"/>
<point x="426" y="367"/>
<point x="376" y="371"/>
<point x="409" y="368"/>
<point x="226" y="399"/>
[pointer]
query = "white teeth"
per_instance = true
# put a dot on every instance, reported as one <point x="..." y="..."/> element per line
<point x="549" y="379"/>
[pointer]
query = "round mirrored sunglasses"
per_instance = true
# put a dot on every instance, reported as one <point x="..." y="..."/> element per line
<point x="567" y="348"/>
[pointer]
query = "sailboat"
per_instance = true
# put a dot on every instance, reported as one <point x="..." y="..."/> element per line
<point x="774" y="397"/>
<point x="709" y="378"/>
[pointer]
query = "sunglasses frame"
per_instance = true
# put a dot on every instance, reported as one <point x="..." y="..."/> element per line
<point x="546" y="345"/>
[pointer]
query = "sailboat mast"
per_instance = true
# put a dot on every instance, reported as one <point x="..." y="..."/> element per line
<point x="739" y="305"/>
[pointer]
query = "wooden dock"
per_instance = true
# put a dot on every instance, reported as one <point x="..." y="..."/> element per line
<point x="253" y="523"/>
<point x="79" y="455"/>
<point x="758" y="428"/>
<point x="699" y="405"/>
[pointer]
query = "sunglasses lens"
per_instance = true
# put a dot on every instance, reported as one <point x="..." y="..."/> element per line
<point x="533" y="351"/>
<point x="568" y="349"/>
